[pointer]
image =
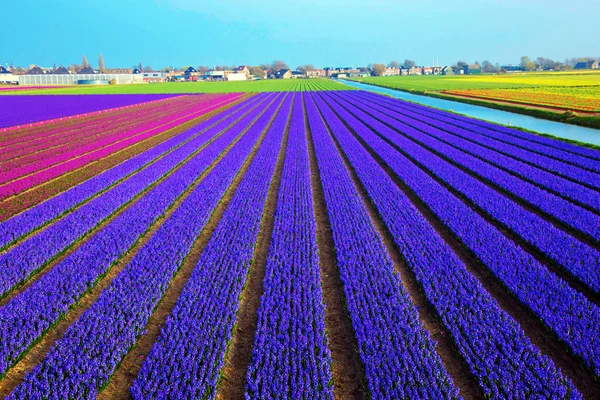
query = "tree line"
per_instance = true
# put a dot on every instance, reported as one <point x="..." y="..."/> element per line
<point x="377" y="69"/>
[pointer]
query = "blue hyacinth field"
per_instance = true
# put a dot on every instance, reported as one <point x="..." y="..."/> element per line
<point x="294" y="245"/>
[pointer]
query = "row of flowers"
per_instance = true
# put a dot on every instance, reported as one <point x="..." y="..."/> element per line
<point x="500" y="356"/>
<point x="574" y="319"/>
<point x="19" y="179"/>
<point x="186" y="359"/>
<point x="26" y="149"/>
<point x="446" y="132"/>
<point x="397" y="352"/>
<point x="39" y="110"/>
<point x="495" y="129"/>
<point x="536" y="96"/>
<point x="290" y="356"/>
<point x="83" y="360"/>
<point x="28" y="315"/>
<point x="24" y="260"/>
<point x="567" y="189"/>
<point x="30" y="220"/>
<point x="577" y="258"/>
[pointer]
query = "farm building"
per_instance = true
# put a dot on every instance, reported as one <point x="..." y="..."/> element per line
<point x="153" y="77"/>
<point x="59" y="71"/>
<point x="472" y="69"/>
<point x="590" y="64"/>
<point x="236" y="76"/>
<point x="7" y="77"/>
<point x="87" y="70"/>
<point x="73" y="79"/>
<point x="316" y="73"/>
<point x="283" y="74"/>
<point x="391" y="71"/>
<point x="35" y="71"/>
<point x="191" y="74"/>
<point x="242" y="69"/>
<point x="447" y="70"/>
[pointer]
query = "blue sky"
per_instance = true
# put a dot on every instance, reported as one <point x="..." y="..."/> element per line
<point x="162" y="33"/>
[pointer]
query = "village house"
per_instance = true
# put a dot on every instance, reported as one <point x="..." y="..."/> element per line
<point x="7" y="77"/>
<point x="242" y="69"/>
<point x="590" y="64"/>
<point x="154" y="77"/>
<point x="283" y="74"/>
<point x="472" y="69"/>
<point x="118" y="71"/>
<point x="316" y="73"/>
<point x="86" y="70"/>
<point x="447" y="70"/>
<point x="191" y="74"/>
<point x="236" y="75"/>
<point x="35" y="70"/>
<point x="391" y="71"/>
<point x="60" y="71"/>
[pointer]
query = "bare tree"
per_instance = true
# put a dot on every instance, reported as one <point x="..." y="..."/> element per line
<point x="84" y="61"/>
<point x="140" y="66"/>
<point x="54" y="66"/>
<point x="203" y="69"/>
<point x="488" y="67"/>
<point x="72" y="68"/>
<point x="305" y="68"/>
<point x="100" y="63"/>
<point x="147" y="68"/>
<point x="394" y="64"/>
<point x="278" y="65"/>
<point x="257" y="71"/>
<point x="527" y="64"/>
<point x="408" y="63"/>
<point x="378" y="69"/>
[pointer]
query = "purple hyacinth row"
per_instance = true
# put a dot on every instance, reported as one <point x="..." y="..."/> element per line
<point x="574" y="256"/>
<point x="83" y="360"/>
<point x="35" y="252"/>
<point x="447" y="133"/>
<point x="398" y="354"/>
<point x="428" y="134"/>
<point x="579" y="218"/>
<point x="27" y="316"/>
<point x="290" y="357"/>
<point x="574" y="319"/>
<point x="17" y="110"/>
<point x="495" y="129"/>
<point x="187" y="358"/>
<point x="22" y="224"/>
<point x="490" y="341"/>
<point x="562" y="168"/>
